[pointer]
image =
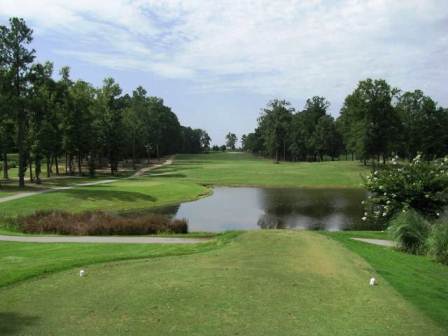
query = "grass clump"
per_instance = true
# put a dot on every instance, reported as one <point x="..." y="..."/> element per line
<point x="98" y="223"/>
<point x="437" y="242"/>
<point x="410" y="230"/>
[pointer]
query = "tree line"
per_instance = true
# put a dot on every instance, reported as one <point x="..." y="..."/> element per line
<point x="376" y="122"/>
<point x="45" y="119"/>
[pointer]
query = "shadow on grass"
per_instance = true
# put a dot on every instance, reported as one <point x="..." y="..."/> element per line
<point x="13" y="323"/>
<point x="110" y="195"/>
<point x="168" y="175"/>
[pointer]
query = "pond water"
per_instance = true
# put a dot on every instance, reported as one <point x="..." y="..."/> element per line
<point x="273" y="208"/>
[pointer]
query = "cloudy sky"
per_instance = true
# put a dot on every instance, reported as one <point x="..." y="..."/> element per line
<point x="216" y="63"/>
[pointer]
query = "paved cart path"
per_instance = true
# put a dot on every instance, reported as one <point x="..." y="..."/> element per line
<point x="381" y="242"/>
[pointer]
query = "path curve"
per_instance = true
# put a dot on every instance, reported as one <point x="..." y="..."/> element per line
<point x="101" y="239"/>
<point x="381" y="242"/>
<point x="140" y="172"/>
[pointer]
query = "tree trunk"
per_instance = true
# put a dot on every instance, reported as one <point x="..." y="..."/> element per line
<point x="37" y="169"/>
<point x="284" y="151"/>
<point x="79" y="165"/>
<point x="91" y="165"/>
<point x="66" y="163"/>
<point x="133" y="152"/>
<point x="157" y="149"/>
<point x="21" y="147"/>
<point x="5" y="166"/>
<point x="48" y="166"/>
<point x="31" y="169"/>
<point x="51" y="158"/>
<point x="70" y="164"/>
<point x="353" y="157"/>
<point x="57" y="164"/>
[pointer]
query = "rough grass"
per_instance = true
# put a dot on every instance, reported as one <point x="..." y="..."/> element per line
<point x="262" y="283"/>
<point x="98" y="223"/>
<point x="418" y="279"/>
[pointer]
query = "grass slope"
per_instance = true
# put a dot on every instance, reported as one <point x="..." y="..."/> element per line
<point x="418" y="279"/>
<point x="263" y="283"/>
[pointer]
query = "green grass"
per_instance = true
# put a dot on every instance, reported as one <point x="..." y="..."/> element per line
<point x="21" y="261"/>
<point x="262" y="283"/>
<point x="418" y="279"/>
<point x="117" y="196"/>
<point x="243" y="169"/>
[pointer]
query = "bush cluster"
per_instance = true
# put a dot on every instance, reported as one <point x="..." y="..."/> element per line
<point x="419" y="185"/>
<point x="414" y="234"/>
<point x="98" y="223"/>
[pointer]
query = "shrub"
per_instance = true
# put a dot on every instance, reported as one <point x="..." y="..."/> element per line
<point x="437" y="242"/>
<point x="410" y="230"/>
<point x="98" y="223"/>
<point x="420" y="185"/>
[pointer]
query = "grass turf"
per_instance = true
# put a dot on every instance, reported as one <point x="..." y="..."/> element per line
<point x="243" y="169"/>
<point x="418" y="279"/>
<point x="20" y="261"/>
<point x="117" y="196"/>
<point x="262" y="283"/>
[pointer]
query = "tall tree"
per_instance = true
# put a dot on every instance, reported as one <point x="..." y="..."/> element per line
<point x="231" y="140"/>
<point x="110" y="112"/>
<point x="371" y="122"/>
<point x="15" y="59"/>
<point x="275" y="122"/>
<point x="424" y="125"/>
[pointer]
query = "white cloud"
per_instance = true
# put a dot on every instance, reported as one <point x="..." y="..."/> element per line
<point x="289" y="48"/>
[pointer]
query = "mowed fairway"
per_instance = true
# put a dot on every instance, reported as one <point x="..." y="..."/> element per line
<point x="243" y="169"/>
<point x="262" y="283"/>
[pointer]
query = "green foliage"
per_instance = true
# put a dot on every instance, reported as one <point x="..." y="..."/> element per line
<point x="410" y="230"/>
<point x="437" y="242"/>
<point x="371" y="122"/>
<point x="424" y="125"/>
<point x="231" y="140"/>
<point x="419" y="185"/>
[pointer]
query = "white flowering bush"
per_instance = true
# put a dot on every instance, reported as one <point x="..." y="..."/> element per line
<point x="419" y="185"/>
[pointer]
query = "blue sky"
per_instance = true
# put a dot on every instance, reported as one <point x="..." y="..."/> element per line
<point x="217" y="63"/>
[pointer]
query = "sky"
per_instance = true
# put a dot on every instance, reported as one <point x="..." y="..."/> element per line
<point x="217" y="63"/>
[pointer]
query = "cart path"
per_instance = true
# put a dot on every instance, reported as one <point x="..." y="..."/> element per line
<point x="140" y="172"/>
<point x="102" y="239"/>
<point x="381" y="242"/>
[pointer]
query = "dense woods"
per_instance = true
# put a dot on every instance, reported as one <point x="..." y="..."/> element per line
<point x="45" y="119"/>
<point x="376" y="122"/>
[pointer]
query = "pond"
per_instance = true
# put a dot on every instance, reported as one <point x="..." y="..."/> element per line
<point x="273" y="208"/>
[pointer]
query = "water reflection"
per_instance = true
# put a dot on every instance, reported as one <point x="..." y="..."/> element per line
<point x="273" y="208"/>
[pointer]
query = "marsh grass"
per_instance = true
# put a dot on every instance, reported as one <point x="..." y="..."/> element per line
<point x="98" y="223"/>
